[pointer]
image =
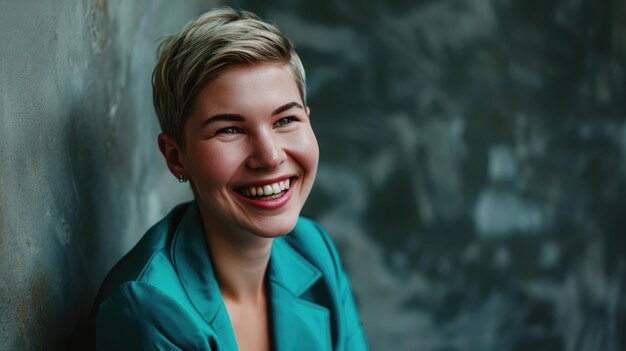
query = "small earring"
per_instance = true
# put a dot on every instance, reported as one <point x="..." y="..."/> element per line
<point x="182" y="179"/>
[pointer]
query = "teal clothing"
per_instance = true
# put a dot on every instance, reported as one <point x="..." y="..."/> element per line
<point x="163" y="295"/>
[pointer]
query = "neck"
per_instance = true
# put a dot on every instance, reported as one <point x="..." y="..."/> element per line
<point x="240" y="272"/>
<point x="239" y="261"/>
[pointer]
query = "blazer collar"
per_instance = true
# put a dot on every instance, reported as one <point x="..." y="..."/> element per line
<point x="289" y="270"/>
<point x="295" y="321"/>
<point x="190" y="256"/>
<point x="298" y="324"/>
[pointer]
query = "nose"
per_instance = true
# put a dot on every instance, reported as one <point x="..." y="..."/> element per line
<point x="266" y="152"/>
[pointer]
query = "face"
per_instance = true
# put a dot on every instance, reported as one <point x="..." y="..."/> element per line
<point x="250" y="152"/>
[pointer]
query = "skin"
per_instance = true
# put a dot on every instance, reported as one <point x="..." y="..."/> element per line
<point x="249" y="126"/>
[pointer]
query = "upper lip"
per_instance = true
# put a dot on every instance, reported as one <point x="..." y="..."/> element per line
<point x="266" y="181"/>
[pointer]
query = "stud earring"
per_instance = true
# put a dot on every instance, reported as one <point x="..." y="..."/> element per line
<point x="182" y="179"/>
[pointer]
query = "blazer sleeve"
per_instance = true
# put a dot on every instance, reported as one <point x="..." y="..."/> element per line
<point x="138" y="316"/>
<point x="354" y="337"/>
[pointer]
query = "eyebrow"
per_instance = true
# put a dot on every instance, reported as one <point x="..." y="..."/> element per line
<point x="286" y="107"/>
<point x="231" y="117"/>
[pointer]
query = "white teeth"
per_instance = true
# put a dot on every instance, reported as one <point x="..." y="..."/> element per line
<point x="276" y="188"/>
<point x="267" y="190"/>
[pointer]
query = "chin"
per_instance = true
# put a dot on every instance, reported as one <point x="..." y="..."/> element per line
<point x="275" y="227"/>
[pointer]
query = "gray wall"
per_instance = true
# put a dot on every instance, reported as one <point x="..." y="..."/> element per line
<point x="473" y="166"/>
<point x="81" y="177"/>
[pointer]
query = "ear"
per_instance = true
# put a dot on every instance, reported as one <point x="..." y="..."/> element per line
<point x="172" y="154"/>
<point x="308" y="111"/>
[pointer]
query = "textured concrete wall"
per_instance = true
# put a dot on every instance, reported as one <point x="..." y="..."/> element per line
<point x="473" y="166"/>
<point x="81" y="178"/>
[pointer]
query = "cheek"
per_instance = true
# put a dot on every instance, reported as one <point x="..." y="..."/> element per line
<point x="314" y="152"/>
<point x="306" y="150"/>
<point x="216" y="166"/>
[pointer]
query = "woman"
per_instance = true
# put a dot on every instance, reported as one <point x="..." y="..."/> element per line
<point x="236" y="268"/>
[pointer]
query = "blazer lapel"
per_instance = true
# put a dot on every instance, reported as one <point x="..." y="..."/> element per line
<point x="190" y="256"/>
<point x="298" y="324"/>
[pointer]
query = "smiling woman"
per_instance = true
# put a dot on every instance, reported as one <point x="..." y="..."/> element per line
<point x="248" y="130"/>
<point x="237" y="268"/>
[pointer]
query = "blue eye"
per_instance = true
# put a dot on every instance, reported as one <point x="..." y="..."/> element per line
<point x="229" y="130"/>
<point x="284" y="121"/>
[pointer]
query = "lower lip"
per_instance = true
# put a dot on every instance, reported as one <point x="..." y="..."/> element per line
<point x="270" y="204"/>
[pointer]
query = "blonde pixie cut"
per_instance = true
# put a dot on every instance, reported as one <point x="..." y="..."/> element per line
<point x="207" y="46"/>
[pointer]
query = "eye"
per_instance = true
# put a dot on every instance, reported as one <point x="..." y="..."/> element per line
<point x="228" y="130"/>
<point x="284" y="121"/>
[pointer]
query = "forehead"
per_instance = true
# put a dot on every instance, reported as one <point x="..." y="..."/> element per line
<point x="256" y="88"/>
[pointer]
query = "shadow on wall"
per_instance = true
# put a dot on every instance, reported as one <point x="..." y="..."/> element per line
<point x="90" y="225"/>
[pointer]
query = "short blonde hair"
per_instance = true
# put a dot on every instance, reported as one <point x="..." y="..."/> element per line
<point x="207" y="46"/>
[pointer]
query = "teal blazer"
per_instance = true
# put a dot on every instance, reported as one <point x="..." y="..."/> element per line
<point x="163" y="294"/>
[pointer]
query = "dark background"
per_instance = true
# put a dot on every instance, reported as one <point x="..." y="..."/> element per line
<point x="473" y="166"/>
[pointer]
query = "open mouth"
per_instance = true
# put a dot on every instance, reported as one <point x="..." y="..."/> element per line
<point x="266" y="192"/>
